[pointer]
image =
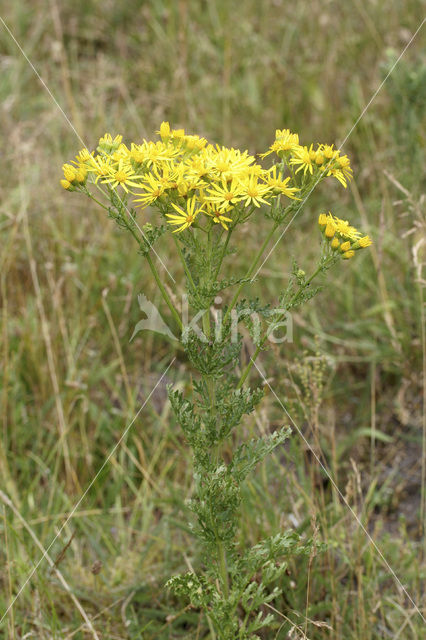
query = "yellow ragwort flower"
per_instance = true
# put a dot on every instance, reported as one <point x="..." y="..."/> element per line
<point x="365" y="241"/>
<point x="122" y="175"/>
<point x="184" y="218"/>
<point x="152" y="190"/>
<point x="304" y="157"/>
<point x="284" y="141"/>
<point x="69" y="172"/>
<point x="253" y="193"/>
<point x="225" y="194"/>
<point x="279" y="184"/>
<point x="164" y="131"/>
<point x="217" y="215"/>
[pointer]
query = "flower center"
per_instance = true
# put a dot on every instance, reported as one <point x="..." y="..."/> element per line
<point x="120" y="176"/>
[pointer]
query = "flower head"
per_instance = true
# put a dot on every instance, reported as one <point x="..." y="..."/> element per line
<point x="225" y="194"/>
<point x="284" y="141"/>
<point x="279" y="184"/>
<point x="184" y="218"/>
<point x="303" y="158"/>
<point x="121" y="174"/>
<point x="253" y="192"/>
<point x="217" y="215"/>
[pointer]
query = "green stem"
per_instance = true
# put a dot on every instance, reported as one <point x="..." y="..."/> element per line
<point x="163" y="291"/>
<point x="92" y="197"/>
<point x="211" y="628"/>
<point x="281" y="317"/>
<point x="225" y="246"/>
<point x="156" y="275"/>
<point x="250" y="271"/>
<point x="184" y="264"/>
<point x="223" y="567"/>
<point x="211" y="386"/>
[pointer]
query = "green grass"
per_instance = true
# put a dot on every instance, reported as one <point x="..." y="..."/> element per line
<point x="71" y="380"/>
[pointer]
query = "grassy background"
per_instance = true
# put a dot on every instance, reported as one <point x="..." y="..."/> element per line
<point x="71" y="380"/>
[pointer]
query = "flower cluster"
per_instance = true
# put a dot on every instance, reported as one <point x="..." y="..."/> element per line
<point x="194" y="183"/>
<point x="324" y="160"/>
<point x="341" y="236"/>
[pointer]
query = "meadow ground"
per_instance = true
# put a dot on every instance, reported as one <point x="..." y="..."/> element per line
<point x="353" y="378"/>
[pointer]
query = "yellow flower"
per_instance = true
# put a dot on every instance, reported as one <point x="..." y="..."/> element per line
<point x="153" y="189"/>
<point x="69" y="172"/>
<point x="81" y="174"/>
<point x="328" y="151"/>
<point x="284" y="141"/>
<point x="365" y="241"/>
<point x="334" y="164"/>
<point x="153" y="154"/>
<point x="322" y="219"/>
<point x="336" y="229"/>
<point x="252" y="192"/>
<point x="217" y="215"/>
<point x="279" y="184"/>
<point x="84" y="156"/>
<point x="228" y="163"/>
<point x="177" y="135"/>
<point x="224" y="194"/>
<point x="164" y="131"/>
<point x="108" y="144"/>
<point x="303" y="157"/>
<point x="345" y="246"/>
<point x="121" y="175"/>
<point x="345" y="230"/>
<point x="198" y="167"/>
<point x="184" y="218"/>
<point x="194" y="143"/>
<point x="330" y="230"/>
<point x="66" y="184"/>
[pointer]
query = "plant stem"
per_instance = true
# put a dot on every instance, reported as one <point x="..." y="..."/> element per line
<point x="225" y="246"/>
<point x="223" y="567"/>
<point x="156" y="275"/>
<point x="184" y="264"/>
<point x="211" y="386"/>
<point x="211" y="628"/>
<point x="281" y="317"/>
<point x="92" y="197"/>
<point x="163" y="291"/>
<point x="250" y="271"/>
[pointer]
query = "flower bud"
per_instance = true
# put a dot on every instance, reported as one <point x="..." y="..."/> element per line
<point x="345" y="246"/>
<point x="322" y="219"/>
<point x="330" y="230"/>
<point x="81" y="175"/>
<point x="164" y="131"/>
<point x="69" y="172"/>
<point x="365" y="241"/>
